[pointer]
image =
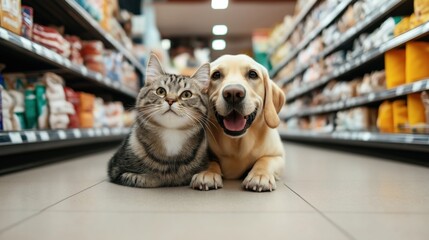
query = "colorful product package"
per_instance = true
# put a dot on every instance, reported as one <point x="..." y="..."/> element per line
<point x="395" y="68"/>
<point x="30" y="108"/>
<point x="385" y="117"/>
<point x="10" y="15"/>
<point x="417" y="55"/>
<point x="416" y="109"/>
<point x="41" y="107"/>
<point x="73" y="98"/>
<point x="400" y="114"/>
<point x="86" y="115"/>
<point x="27" y="22"/>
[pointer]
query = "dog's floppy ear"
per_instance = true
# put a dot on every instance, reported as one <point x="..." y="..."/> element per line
<point x="274" y="100"/>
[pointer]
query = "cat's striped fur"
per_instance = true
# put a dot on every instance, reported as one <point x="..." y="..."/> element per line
<point x="167" y="144"/>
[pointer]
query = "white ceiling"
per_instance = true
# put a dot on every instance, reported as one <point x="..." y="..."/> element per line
<point x="197" y="19"/>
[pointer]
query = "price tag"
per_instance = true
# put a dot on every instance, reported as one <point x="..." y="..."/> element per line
<point x="116" y="84"/>
<point x="84" y="70"/>
<point x="409" y="138"/>
<point x="48" y="53"/>
<point x="44" y="136"/>
<point x="77" y="133"/>
<point x="371" y="96"/>
<point x="417" y="86"/>
<point x="4" y="34"/>
<point x="98" y="76"/>
<point x="61" y="134"/>
<point x="426" y="27"/>
<point x="58" y="58"/>
<point x="38" y="48"/>
<point x="98" y="132"/>
<point x="31" y="136"/>
<point x="26" y="44"/>
<point x="15" y="137"/>
<point x="400" y="90"/>
<point x="91" y="132"/>
<point x="106" y="131"/>
<point x="67" y="63"/>
<point x="427" y="85"/>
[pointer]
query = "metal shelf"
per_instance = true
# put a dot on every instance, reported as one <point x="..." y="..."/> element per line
<point x="299" y="18"/>
<point x="415" y="142"/>
<point x="35" y="140"/>
<point x="403" y="90"/>
<point x="374" y="18"/>
<point x="312" y="35"/>
<point x="364" y="58"/>
<point x="31" y="49"/>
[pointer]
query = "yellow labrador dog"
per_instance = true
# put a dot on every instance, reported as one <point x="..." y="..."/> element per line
<point x="243" y="139"/>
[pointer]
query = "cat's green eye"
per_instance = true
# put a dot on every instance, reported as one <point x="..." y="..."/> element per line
<point x="161" y="92"/>
<point x="186" y="95"/>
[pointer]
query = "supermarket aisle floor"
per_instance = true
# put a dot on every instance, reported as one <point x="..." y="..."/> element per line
<point x="325" y="195"/>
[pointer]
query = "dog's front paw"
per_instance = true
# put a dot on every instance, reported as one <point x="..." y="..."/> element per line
<point x="206" y="180"/>
<point x="259" y="182"/>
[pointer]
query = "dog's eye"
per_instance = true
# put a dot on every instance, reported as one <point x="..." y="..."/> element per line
<point x="161" y="92"/>
<point x="216" y="75"/>
<point x="253" y="74"/>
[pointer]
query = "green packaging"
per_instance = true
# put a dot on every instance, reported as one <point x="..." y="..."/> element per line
<point x="41" y="107"/>
<point x="30" y="108"/>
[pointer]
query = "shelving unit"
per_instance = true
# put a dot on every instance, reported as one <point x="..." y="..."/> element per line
<point x="415" y="142"/>
<point x="311" y="36"/>
<point x="79" y="22"/>
<point x="363" y="100"/>
<point x="31" y="140"/>
<point x="366" y="61"/>
<point x="365" y="58"/>
<point x="25" y="48"/>
<point x="22" y="55"/>
<point x="299" y="18"/>
<point x="376" y="17"/>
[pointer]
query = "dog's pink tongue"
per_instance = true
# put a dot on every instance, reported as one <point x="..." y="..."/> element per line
<point x="234" y="122"/>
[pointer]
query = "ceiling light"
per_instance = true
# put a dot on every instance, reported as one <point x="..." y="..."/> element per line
<point x="218" y="44"/>
<point x="219" y="29"/>
<point x="219" y="4"/>
<point x="166" y="44"/>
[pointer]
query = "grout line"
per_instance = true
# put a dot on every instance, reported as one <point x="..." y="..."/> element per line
<point x="323" y="215"/>
<point x="46" y="208"/>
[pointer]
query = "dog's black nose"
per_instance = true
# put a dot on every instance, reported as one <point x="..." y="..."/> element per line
<point x="234" y="93"/>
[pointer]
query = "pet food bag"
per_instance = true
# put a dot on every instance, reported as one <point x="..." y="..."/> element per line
<point x="385" y="117"/>
<point x="400" y="114"/>
<point x="417" y="55"/>
<point x="10" y="15"/>
<point x="395" y="68"/>
<point x="416" y="110"/>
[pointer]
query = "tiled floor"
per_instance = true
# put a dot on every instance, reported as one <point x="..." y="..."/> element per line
<point x="325" y="195"/>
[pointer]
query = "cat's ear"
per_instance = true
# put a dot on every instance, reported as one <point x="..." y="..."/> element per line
<point x="202" y="75"/>
<point x="154" y="69"/>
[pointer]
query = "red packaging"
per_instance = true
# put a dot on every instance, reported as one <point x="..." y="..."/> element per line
<point x="75" y="49"/>
<point x="51" y="38"/>
<point x="73" y="98"/>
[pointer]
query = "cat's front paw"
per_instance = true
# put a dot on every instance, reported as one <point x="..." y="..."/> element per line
<point x="206" y="180"/>
<point x="259" y="181"/>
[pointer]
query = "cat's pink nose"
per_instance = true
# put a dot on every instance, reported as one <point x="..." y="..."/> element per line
<point x="170" y="101"/>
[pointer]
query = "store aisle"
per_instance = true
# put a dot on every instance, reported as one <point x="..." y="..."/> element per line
<point x="325" y="195"/>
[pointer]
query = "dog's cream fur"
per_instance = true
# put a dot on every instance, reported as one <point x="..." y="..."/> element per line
<point x="259" y="151"/>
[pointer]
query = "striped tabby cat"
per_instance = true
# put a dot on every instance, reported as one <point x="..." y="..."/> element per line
<point x="167" y="144"/>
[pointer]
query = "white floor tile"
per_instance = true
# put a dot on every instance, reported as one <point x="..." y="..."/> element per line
<point x="111" y="197"/>
<point x="8" y="218"/>
<point x="368" y="226"/>
<point x="249" y="226"/>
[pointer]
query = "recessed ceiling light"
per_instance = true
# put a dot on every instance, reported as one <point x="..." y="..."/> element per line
<point x="166" y="44"/>
<point x="218" y="44"/>
<point x="220" y="29"/>
<point x="219" y="4"/>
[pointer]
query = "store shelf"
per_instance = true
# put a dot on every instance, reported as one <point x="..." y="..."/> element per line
<point x="299" y="18"/>
<point x="76" y="19"/>
<point x="36" y="140"/>
<point x="403" y="90"/>
<point x="33" y="50"/>
<point x="364" y="58"/>
<point x="311" y="36"/>
<point x="376" y="17"/>
<point x="416" y="142"/>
